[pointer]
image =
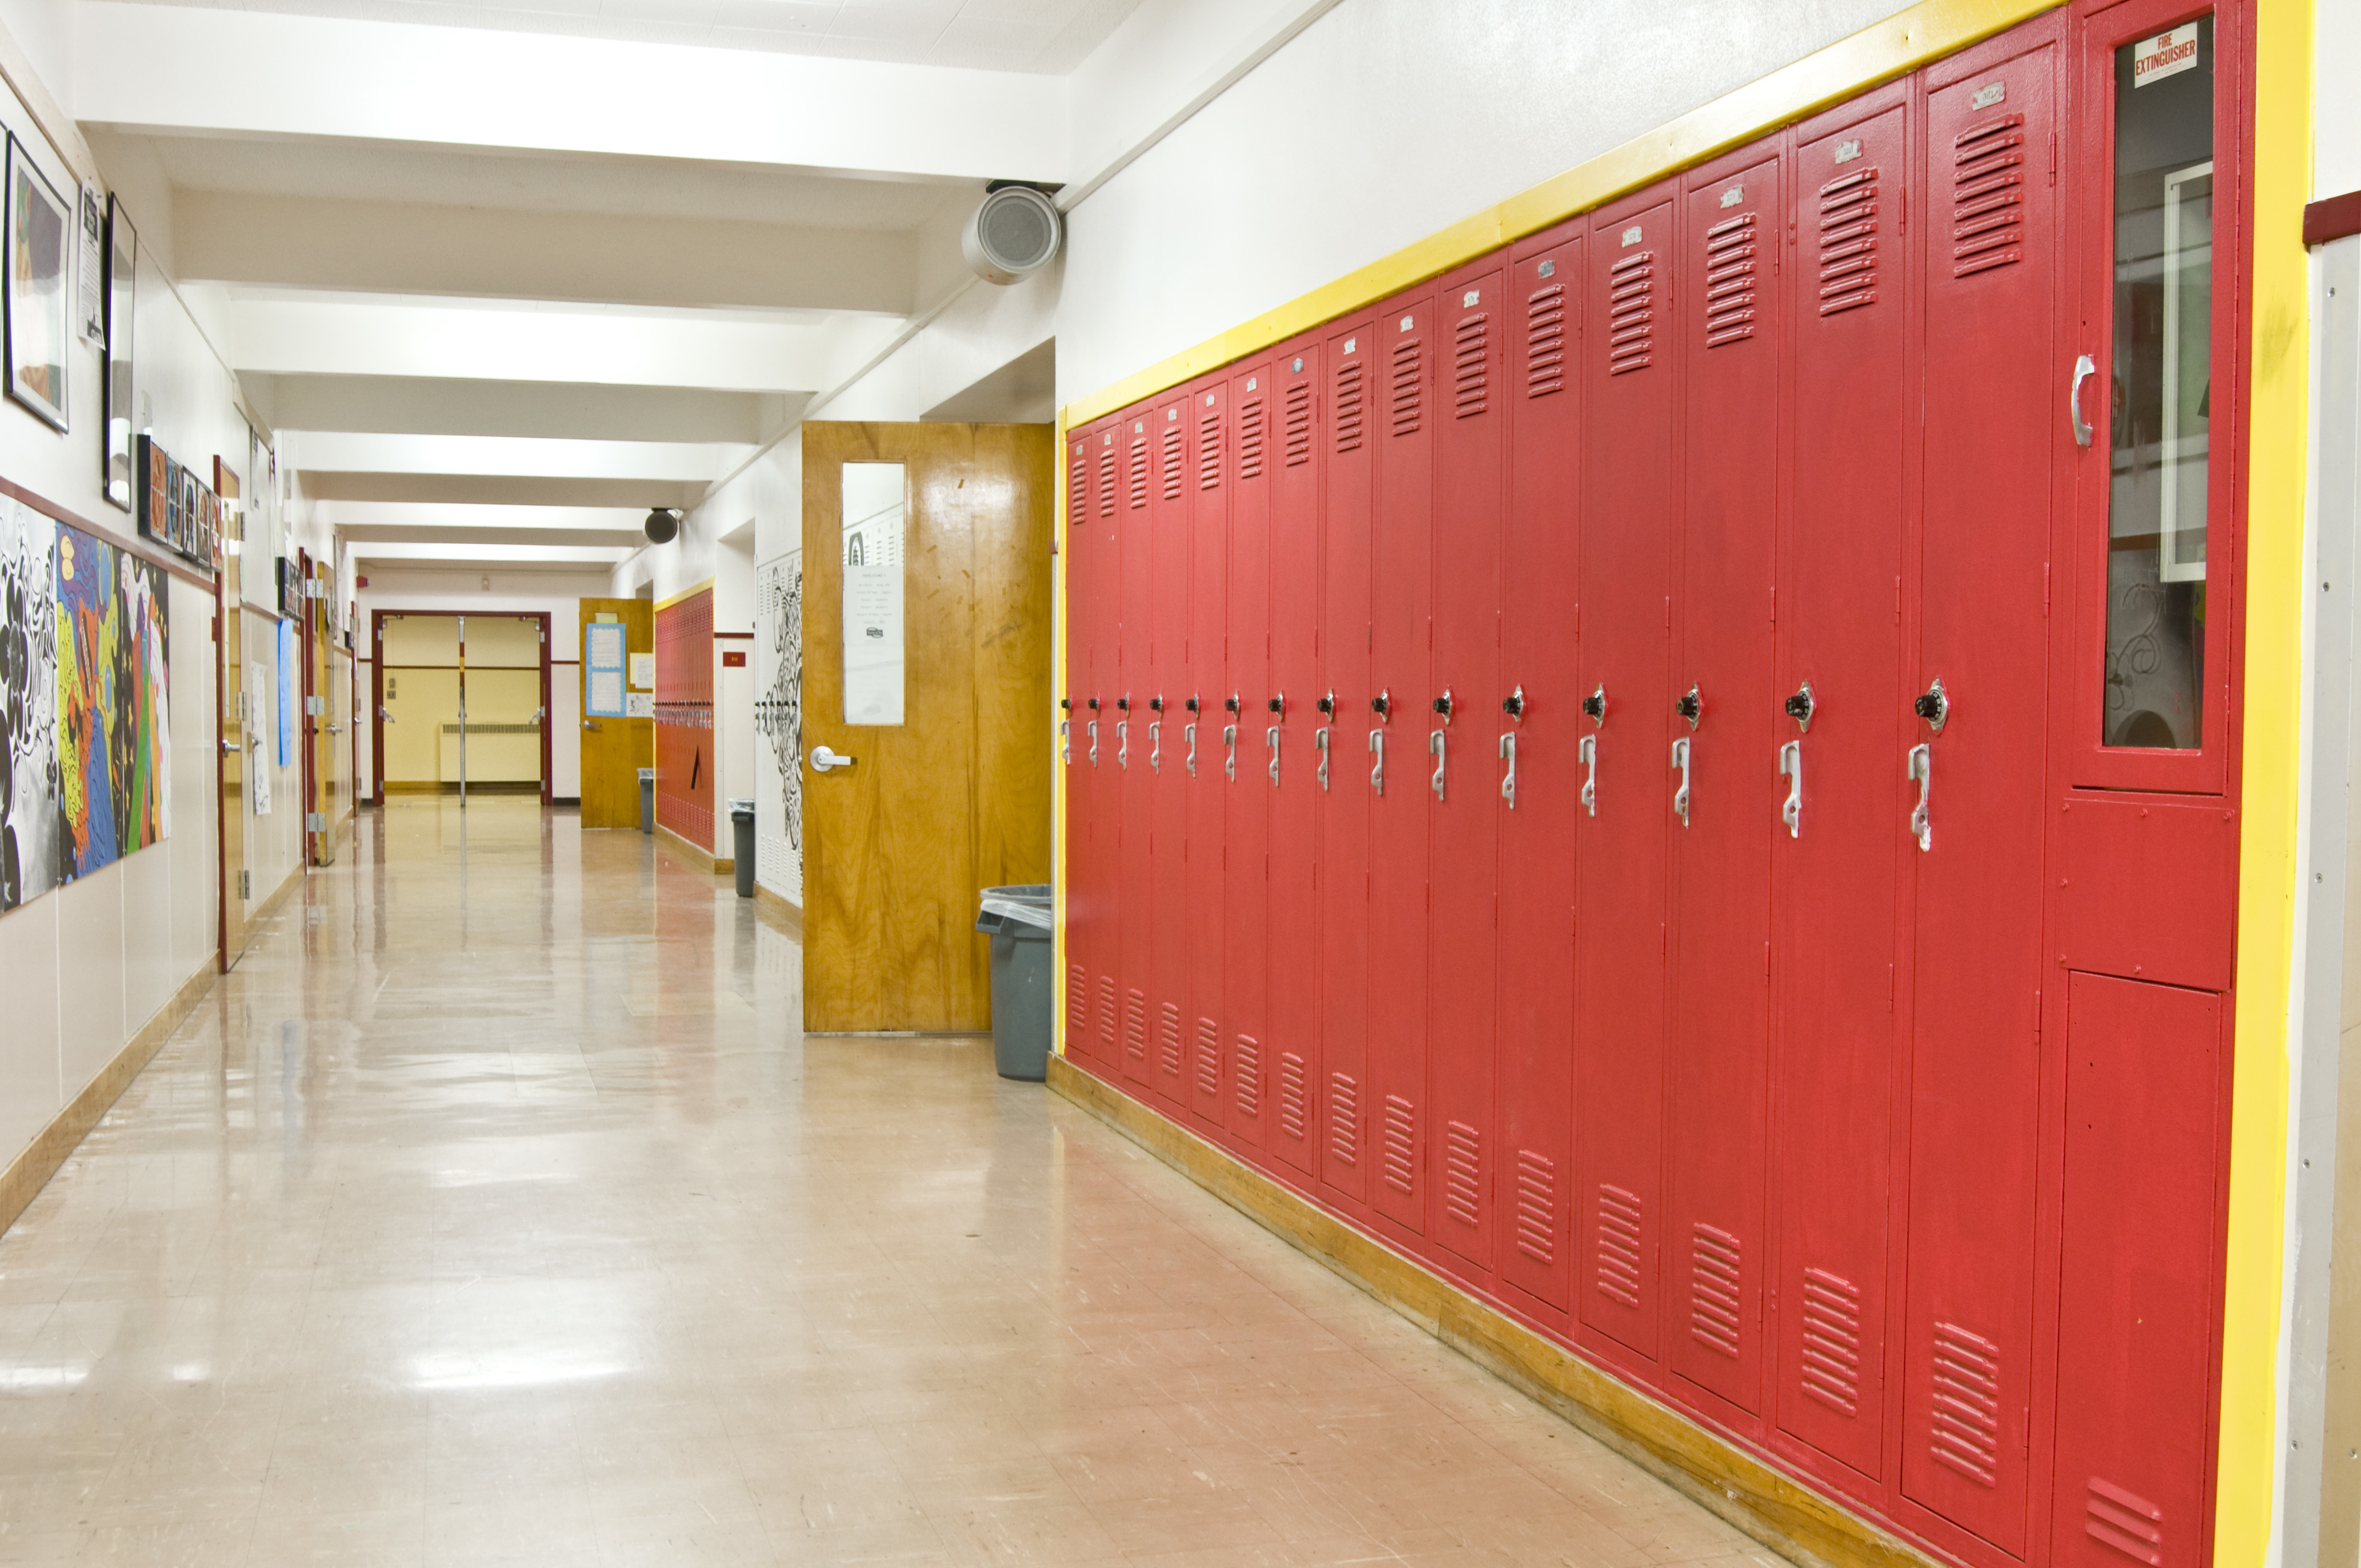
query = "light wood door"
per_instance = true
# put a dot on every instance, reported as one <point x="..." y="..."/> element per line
<point x="319" y="714"/>
<point x="956" y="797"/>
<point x="615" y="749"/>
<point x="229" y="622"/>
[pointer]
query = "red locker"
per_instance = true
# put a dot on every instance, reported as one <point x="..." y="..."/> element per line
<point x="1136" y="806"/>
<point x="1201" y="731"/>
<point x="1098" y="593"/>
<point x="1619" y="896"/>
<point x="1400" y="607"/>
<point x="1290" y="763"/>
<point x="1992" y="283"/>
<point x="1168" y="683"/>
<point x="1246" y="808"/>
<point x="1074" y="848"/>
<point x="1838" y="863"/>
<point x="1470" y="730"/>
<point x="1728" y="283"/>
<point x="1341" y="753"/>
<point x="1538" y="607"/>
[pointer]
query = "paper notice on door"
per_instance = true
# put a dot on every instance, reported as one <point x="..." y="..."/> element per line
<point x="602" y="670"/>
<point x="643" y="671"/>
<point x="606" y="695"/>
<point x="873" y="521"/>
<point x="258" y="702"/>
<point x="643" y="705"/>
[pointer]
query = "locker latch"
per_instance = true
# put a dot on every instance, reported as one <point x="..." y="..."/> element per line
<point x="1320" y="740"/>
<point x="1509" y="775"/>
<point x="1933" y="705"/>
<point x="1328" y="704"/>
<point x="1513" y="705"/>
<point x="1278" y="705"/>
<point x="1378" y="769"/>
<point x="1066" y="741"/>
<point x="1123" y="743"/>
<point x="1791" y="768"/>
<point x="1230" y="761"/>
<point x="1681" y="796"/>
<point x="1156" y="745"/>
<point x="1587" y="752"/>
<point x="1922" y="772"/>
<point x="1436" y="744"/>
<point x="1189" y="733"/>
<point x="1595" y="705"/>
<point x="1093" y="728"/>
<point x="1382" y="704"/>
<point x="1799" y="709"/>
<point x="1690" y="707"/>
<point x="1443" y="704"/>
<point x="1271" y="735"/>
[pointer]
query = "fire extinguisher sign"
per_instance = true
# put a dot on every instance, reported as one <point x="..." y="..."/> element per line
<point x="2167" y="54"/>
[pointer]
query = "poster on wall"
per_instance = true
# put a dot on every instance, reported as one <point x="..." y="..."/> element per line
<point x="118" y="384"/>
<point x="602" y="669"/>
<point x="258" y="702"/>
<point x="286" y="694"/>
<point x="28" y="704"/>
<point x="114" y="753"/>
<point x="90" y="300"/>
<point x="39" y="314"/>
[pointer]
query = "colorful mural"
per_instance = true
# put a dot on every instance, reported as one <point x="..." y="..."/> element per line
<point x="29" y="821"/>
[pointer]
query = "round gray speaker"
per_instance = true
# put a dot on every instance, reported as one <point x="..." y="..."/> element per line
<point x="1015" y="233"/>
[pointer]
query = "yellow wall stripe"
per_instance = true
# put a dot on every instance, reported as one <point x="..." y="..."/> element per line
<point x="688" y="593"/>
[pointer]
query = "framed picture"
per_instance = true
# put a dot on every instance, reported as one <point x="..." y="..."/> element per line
<point x="121" y="393"/>
<point x="40" y="232"/>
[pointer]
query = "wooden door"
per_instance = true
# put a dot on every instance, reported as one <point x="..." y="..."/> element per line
<point x="956" y="797"/>
<point x="229" y="621"/>
<point x="319" y="710"/>
<point x="615" y="749"/>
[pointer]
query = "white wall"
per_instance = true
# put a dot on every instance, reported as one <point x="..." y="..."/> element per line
<point x="2336" y="99"/>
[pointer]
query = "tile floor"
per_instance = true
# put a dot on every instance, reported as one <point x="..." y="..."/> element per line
<point x="495" y="1210"/>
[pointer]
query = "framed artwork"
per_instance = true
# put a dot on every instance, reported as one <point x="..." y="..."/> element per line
<point x="39" y="314"/>
<point x="121" y="393"/>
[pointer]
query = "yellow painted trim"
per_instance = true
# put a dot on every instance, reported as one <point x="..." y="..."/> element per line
<point x="685" y="594"/>
<point x="2276" y="419"/>
<point x="1894" y="47"/>
<point x="1058" y="768"/>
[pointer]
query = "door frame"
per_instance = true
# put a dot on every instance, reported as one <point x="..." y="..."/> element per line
<point x="377" y="692"/>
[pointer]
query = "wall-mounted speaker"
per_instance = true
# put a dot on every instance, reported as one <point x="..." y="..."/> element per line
<point x="1014" y="234"/>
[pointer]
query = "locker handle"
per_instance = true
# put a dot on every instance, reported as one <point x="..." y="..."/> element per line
<point x="1066" y="741"/>
<point x="1587" y="750"/>
<point x="1156" y="745"/>
<point x="1320" y="738"/>
<point x="1378" y="770"/>
<point x="1189" y="733"/>
<point x="2084" y="368"/>
<point x="1509" y="777"/>
<point x="1791" y="768"/>
<point x="1271" y="737"/>
<point x="1922" y="769"/>
<point x="1436" y="749"/>
<point x="1123" y="743"/>
<point x="1093" y="726"/>
<point x="1681" y="796"/>
<point x="1230" y="762"/>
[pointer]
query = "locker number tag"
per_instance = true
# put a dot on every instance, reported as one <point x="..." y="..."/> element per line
<point x="1352" y="344"/>
<point x="1988" y="94"/>
<point x="1734" y="195"/>
<point x="1847" y="151"/>
<point x="1631" y="234"/>
<point x="1549" y="269"/>
<point x="1406" y="323"/>
<point x="1471" y="299"/>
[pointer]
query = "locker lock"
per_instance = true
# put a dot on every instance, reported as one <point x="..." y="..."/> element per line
<point x="1382" y="704"/>
<point x="1231" y="702"/>
<point x="1513" y="705"/>
<point x="1328" y="704"/>
<point x="1278" y="705"/>
<point x="1157" y="703"/>
<point x="1933" y="705"/>
<point x="1094" y="704"/>
<point x="1799" y="707"/>
<point x="1192" y="705"/>
<point x="1595" y="705"/>
<point x="1443" y="704"/>
<point x="1066" y="704"/>
<point x="1691" y="706"/>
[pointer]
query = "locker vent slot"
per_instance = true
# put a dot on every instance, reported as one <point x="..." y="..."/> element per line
<point x="1344" y="1119"/>
<point x="1730" y="251"/>
<point x="1965" y="1431"/>
<point x="2114" y="1515"/>
<point x="1246" y="1081"/>
<point x="1463" y="1159"/>
<point x="1988" y="197"/>
<point x="1139" y="472"/>
<point x="1536" y="1206"/>
<point x="1832" y="1340"/>
<point x="1209" y="1059"/>
<point x="1713" y="1289"/>
<point x="1107" y="1016"/>
<point x="1348" y="407"/>
<point x="1077" y="1005"/>
<point x="1471" y="374"/>
<point x="1848" y="242"/>
<point x="1299" y="424"/>
<point x="1619" y="1245"/>
<point x="1135" y="1025"/>
<point x="1250" y="439"/>
<point x="1106" y="482"/>
<point x="1397" y="1155"/>
<point x="1546" y="341"/>
<point x="1172" y="462"/>
<point x="1078" y="485"/>
<point x="1632" y="312"/>
<point x="1209" y="452"/>
<point x="1291" y="1107"/>
<point x="1406" y="403"/>
<point x="1168" y="1040"/>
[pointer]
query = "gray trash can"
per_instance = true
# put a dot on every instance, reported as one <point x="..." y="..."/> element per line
<point x="647" y="800"/>
<point x="1018" y="921"/>
<point x="742" y="844"/>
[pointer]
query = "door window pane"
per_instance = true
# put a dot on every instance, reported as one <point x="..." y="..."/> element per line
<point x="2160" y="389"/>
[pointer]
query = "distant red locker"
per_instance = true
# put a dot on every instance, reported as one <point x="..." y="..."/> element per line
<point x="1167" y="680"/>
<point x="1291" y="770"/>
<point x="1201" y="728"/>
<point x="1132" y="686"/>
<point x="1246" y="973"/>
<point x="1073" y="749"/>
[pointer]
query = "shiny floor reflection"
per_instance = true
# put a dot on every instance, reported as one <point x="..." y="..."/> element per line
<point x="496" y="1210"/>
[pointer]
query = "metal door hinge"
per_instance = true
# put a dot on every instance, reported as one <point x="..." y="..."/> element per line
<point x="315" y="822"/>
<point x="245" y="884"/>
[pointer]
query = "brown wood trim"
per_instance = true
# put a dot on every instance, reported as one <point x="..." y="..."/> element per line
<point x="712" y="865"/>
<point x="1780" y="1512"/>
<point x="31" y="1169"/>
<point x="747" y="635"/>
<point x="106" y="533"/>
<point x="2331" y="218"/>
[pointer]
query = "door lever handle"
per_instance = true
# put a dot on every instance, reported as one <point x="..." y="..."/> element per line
<point x="1319" y="740"/>
<point x="1508" y="778"/>
<point x="1922" y="770"/>
<point x="2084" y="368"/>
<point x="1681" y="796"/>
<point x="1436" y="743"/>
<point x="1378" y="769"/>
<point x="228" y="747"/>
<point x="1587" y="751"/>
<point x="1791" y="768"/>
<point x="1156" y="745"/>
<point x="823" y="759"/>
<point x="1230" y="761"/>
<point x="1189" y="733"/>
<point x="1271" y="735"/>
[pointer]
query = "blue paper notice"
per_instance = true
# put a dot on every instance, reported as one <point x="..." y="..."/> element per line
<point x="286" y="684"/>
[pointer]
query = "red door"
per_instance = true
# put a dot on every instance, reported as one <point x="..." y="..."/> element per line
<point x="1837" y="864"/>
<point x="1245" y="843"/>
<point x="1538" y="609"/>
<point x="1727" y="325"/>
<point x="1400" y="606"/>
<point x="1991" y="424"/>
<point x="1469" y="730"/>
<point x="1081" y="627"/>
<point x="1626" y="572"/>
<point x="1342" y="756"/>
<point x="1290" y="765"/>
<point x="1158" y="727"/>
<point x="1201" y="731"/>
<point x="1132" y="686"/>
<point x="1098" y="585"/>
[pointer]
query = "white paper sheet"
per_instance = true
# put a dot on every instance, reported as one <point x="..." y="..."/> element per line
<point x="874" y="517"/>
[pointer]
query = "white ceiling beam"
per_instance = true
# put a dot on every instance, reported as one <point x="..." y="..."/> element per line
<point x="167" y="69"/>
<point x="428" y="405"/>
<point x="421" y="550"/>
<point x="353" y="451"/>
<point x="385" y="515"/>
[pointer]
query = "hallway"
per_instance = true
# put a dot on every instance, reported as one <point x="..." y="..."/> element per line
<point x="489" y="1212"/>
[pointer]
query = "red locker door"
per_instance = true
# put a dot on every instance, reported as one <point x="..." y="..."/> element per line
<point x="2140" y="1294"/>
<point x="1720" y="943"/>
<point x="1167" y="681"/>
<point x="1137" y="877"/>
<point x="1619" y="908"/>
<point x="1340" y="750"/>
<point x="1200" y="750"/>
<point x="1469" y="730"/>
<point x="1991" y="427"/>
<point x="1290" y="765"/>
<point x="1074" y="848"/>
<point x="1538" y="598"/>
<point x="1837" y="865"/>
<point x="1244" y="709"/>
<point x="1400" y="606"/>
<point x="1106" y="794"/>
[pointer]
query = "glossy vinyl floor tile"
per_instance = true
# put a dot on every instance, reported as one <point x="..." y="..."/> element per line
<point x="495" y="1209"/>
